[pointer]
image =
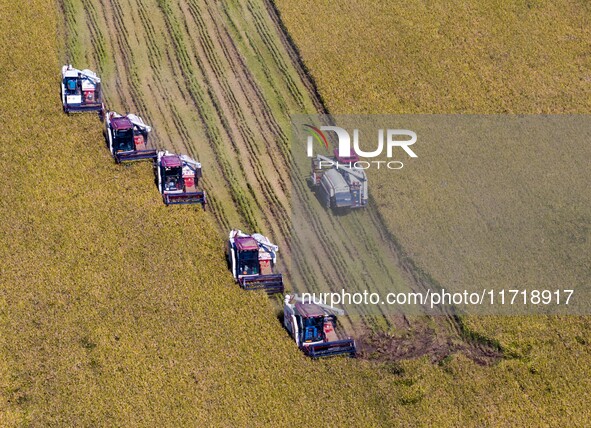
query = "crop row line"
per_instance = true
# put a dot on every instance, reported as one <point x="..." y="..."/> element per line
<point x="263" y="31"/>
<point x="98" y="39"/>
<point x="239" y="118"/>
<point x="207" y="118"/>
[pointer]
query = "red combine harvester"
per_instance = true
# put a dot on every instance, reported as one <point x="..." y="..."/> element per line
<point x="313" y="327"/>
<point x="252" y="258"/>
<point x="81" y="91"/>
<point x="128" y="137"/>
<point x="178" y="179"/>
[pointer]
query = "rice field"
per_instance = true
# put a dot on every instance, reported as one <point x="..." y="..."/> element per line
<point x="468" y="214"/>
<point x="220" y="83"/>
<point x="118" y="311"/>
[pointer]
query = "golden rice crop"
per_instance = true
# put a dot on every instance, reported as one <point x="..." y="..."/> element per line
<point x="118" y="311"/>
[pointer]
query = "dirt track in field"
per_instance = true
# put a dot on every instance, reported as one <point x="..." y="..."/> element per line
<point x="219" y="82"/>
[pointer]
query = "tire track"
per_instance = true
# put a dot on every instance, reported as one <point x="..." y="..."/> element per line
<point x="127" y="65"/>
<point x="209" y="120"/>
<point x="232" y="102"/>
<point x="276" y="54"/>
<point x="96" y="35"/>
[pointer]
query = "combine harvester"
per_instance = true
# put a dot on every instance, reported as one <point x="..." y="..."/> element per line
<point x="252" y="258"/>
<point x="81" y="91"/>
<point x="128" y="137"/>
<point x="313" y="327"/>
<point x="178" y="179"/>
<point x="340" y="186"/>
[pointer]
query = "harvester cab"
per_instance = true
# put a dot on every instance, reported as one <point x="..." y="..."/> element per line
<point x="349" y="160"/>
<point x="178" y="179"/>
<point x="128" y="137"/>
<point x="314" y="328"/>
<point x="81" y="91"/>
<point x="252" y="258"/>
<point x="339" y="183"/>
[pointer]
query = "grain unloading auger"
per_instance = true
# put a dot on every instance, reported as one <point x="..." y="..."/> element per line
<point x="81" y="91"/>
<point x="178" y="179"/>
<point x="313" y="326"/>
<point x="252" y="258"/>
<point x="128" y="137"/>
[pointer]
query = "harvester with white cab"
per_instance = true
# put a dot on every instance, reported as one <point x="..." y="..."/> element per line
<point x="252" y="259"/>
<point x="313" y="326"/>
<point x="81" y="91"/>
<point x="127" y="137"/>
<point x="178" y="179"/>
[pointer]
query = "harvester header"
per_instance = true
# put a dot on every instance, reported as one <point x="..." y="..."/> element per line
<point x="178" y="179"/>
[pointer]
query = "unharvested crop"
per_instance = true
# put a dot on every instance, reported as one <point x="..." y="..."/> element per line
<point x="506" y="216"/>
